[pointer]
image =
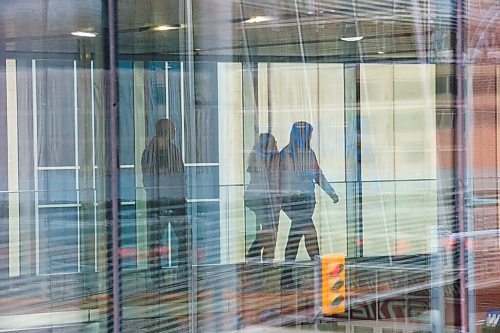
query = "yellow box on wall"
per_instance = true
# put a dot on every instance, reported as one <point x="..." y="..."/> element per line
<point x="333" y="283"/>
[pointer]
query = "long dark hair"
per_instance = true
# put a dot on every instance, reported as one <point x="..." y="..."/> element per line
<point x="265" y="146"/>
<point x="264" y="154"/>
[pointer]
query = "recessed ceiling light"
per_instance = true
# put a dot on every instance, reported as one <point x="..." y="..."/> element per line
<point x="259" y="19"/>
<point x="83" y="34"/>
<point x="352" y="39"/>
<point x="166" y="27"/>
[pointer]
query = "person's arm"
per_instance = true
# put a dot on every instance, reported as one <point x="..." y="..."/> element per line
<point x="321" y="180"/>
<point x="251" y="163"/>
<point x="276" y="179"/>
<point x="283" y="175"/>
<point x="184" y="188"/>
<point x="147" y="177"/>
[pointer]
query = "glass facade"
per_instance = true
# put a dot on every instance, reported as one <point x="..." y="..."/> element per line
<point x="223" y="165"/>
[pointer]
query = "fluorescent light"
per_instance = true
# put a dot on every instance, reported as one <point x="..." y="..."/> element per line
<point x="380" y="52"/>
<point x="166" y="27"/>
<point x="352" y="39"/>
<point x="258" y="19"/>
<point x="83" y="34"/>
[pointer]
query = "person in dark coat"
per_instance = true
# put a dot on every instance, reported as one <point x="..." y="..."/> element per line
<point x="299" y="172"/>
<point x="262" y="196"/>
<point x="164" y="181"/>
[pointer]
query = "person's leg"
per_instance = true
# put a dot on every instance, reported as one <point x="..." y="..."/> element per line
<point x="154" y="241"/>
<point x="307" y="226"/>
<point x="260" y="208"/>
<point x="179" y="224"/>
<point x="291" y="249"/>
<point x="269" y="230"/>
<point x="300" y="211"/>
<point x="311" y="240"/>
<point x="180" y="229"/>
<point x="254" y="252"/>
<point x="267" y="242"/>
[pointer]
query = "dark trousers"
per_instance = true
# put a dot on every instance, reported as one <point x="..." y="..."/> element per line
<point x="299" y="209"/>
<point x="266" y="221"/>
<point x="160" y="215"/>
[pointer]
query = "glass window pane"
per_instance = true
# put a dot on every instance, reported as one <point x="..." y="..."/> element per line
<point x="128" y="249"/>
<point x="202" y="122"/>
<point x="55" y="109"/>
<point x="208" y="232"/>
<point x="403" y="117"/>
<point x="126" y="77"/>
<point x="127" y="184"/>
<point x="203" y="182"/>
<point x="57" y="187"/>
<point x="59" y="240"/>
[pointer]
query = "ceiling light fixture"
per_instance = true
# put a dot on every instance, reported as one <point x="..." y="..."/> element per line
<point x="352" y="32"/>
<point x="166" y="27"/>
<point x="259" y="19"/>
<point x="380" y="52"/>
<point x="83" y="34"/>
<point x="352" y="39"/>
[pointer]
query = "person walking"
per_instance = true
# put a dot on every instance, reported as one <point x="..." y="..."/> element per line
<point x="299" y="172"/>
<point x="262" y="196"/>
<point x="164" y="181"/>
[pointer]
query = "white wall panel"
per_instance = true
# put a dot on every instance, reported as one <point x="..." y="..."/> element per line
<point x="330" y="130"/>
<point x="414" y="121"/>
<point x="293" y="96"/>
<point x="377" y="121"/>
<point x="379" y="218"/>
<point x="231" y="166"/>
<point x="398" y="138"/>
<point x="330" y="221"/>
<point x="13" y="169"/>
<point x="140" y="144"/>
<point x="416" y="214"/>
<point x="262" y="97"/>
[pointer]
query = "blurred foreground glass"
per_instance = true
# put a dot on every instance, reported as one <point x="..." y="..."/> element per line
<point x="402" y="101"/>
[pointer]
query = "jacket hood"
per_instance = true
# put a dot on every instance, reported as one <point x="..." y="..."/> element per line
<point x="300" y="135"/>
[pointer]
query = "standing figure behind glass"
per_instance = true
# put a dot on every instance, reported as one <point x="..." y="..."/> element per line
<point x="262" y="196"/>
<point x="299" y="172"/>
<point x="164" y="181"/>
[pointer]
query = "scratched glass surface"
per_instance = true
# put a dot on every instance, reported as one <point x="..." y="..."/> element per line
<point x="281" y="166"/>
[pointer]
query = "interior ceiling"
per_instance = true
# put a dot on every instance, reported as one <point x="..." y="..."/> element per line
<point x="310" y="28"/>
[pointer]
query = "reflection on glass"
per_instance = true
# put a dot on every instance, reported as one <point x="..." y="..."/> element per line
<point x="163" y="175"/>
<point x="299" y="172"/>
<point x="262" y="196"/>
<point x="406" y="128"/>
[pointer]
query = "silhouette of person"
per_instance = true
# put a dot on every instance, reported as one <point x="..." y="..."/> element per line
<point x="299" y="172"/>
<point x="164" y="181"/>
<point x="262" y="196"/>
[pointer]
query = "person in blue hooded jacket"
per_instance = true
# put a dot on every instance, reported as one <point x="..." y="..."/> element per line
<point x="299" y="172"/>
